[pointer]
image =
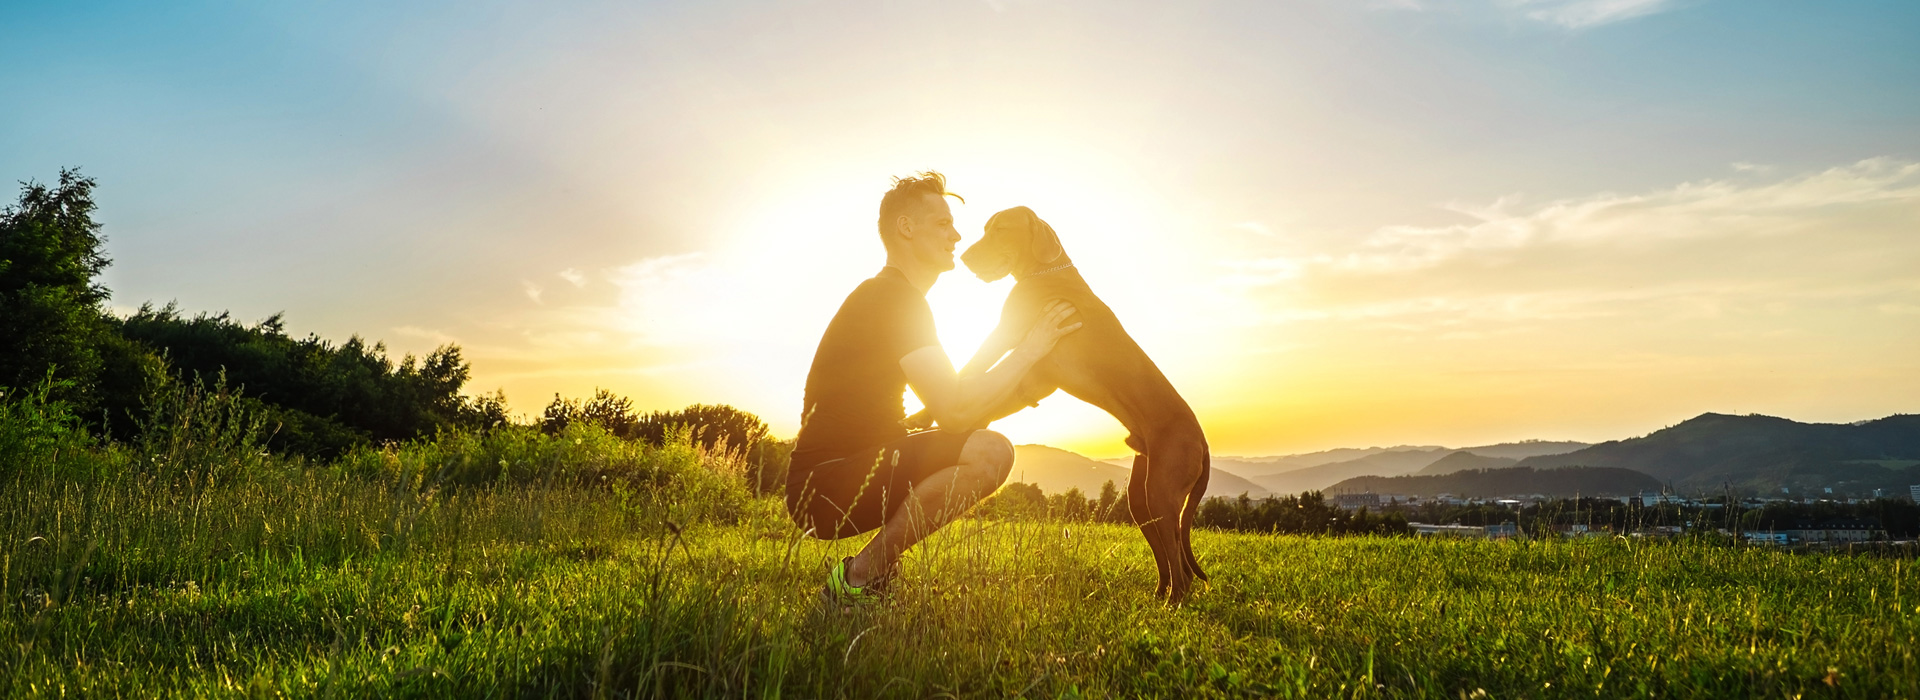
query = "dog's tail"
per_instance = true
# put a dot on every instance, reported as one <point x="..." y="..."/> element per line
<point x="1194" y="496"/>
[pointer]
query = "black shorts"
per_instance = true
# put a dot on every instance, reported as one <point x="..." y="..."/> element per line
<point x="845" y="496"/>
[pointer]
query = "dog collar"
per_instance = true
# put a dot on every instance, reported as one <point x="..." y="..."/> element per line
<point x="1055" y="268"/>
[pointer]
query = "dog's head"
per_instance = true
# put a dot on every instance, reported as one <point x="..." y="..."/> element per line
<point x="1016" y="242"/>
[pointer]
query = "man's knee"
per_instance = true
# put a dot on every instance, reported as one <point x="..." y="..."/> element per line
<point x="988" y="456"/>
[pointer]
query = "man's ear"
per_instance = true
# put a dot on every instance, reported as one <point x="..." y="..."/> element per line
<point x="1045" y="245"/>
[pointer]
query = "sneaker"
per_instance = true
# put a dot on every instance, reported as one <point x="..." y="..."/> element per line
<point x="846" y="595"/>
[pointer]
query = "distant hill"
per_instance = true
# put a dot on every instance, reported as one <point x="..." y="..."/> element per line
<point x="1512" y="481"/>
<point x="1462" y="461"/>
<point x="1256" y="467"/>
<point x="1055" y="470"/>
<point x="1388" y="463"/>
<point x="1526" y="448"/>
<point x="1252" y="467"/>
<point x="1757" y="452"/>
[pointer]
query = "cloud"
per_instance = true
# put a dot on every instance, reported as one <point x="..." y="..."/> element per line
<point x="1568" y="14"/>
<point x="1255" y="228"/>
<point x="1581" y="14"/>
<point x="574" y="277"/>
<point x="533" y="290"/>
<point x="673" y="298"/>
<point x="435" y="335"/>
<point x="1708" y="208"/>
<point x="1696" y="250"/>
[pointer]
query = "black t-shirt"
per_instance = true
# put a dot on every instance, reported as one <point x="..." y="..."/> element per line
<point x="855" y="388"/>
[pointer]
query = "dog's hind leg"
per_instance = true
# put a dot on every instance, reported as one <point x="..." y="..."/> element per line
<point x="1140" y="505"/>
<point x="1194" y="496"/>
<point x="1178" y="463"/>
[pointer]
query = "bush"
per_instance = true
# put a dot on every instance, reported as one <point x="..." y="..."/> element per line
<point x="39" y="434"/>
<point x="716" y="428"/>
<point x="688" y="482"/>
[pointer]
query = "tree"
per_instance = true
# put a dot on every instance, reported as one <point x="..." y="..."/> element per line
<point x="50" y="318"/>
<point x="717" y="426"/>
<point x="1014" y="501"/>
<point x="606" y="409"/>
<point x="1109" y="502"/>
<point x="324" y="398"/>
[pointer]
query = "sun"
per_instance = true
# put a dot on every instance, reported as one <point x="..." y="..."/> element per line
<point x="965" y="311"/>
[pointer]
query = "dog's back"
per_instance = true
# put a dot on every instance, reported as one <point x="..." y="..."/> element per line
<point x="1100" y="364"/>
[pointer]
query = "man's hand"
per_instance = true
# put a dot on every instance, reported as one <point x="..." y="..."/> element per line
<point x="918" y="421"/>
<point x="1047" y="330"/>
<point x="961" y="400"/>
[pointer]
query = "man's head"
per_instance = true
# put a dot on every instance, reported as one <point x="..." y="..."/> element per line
<point x="915" y="223"/>
<point x="1016" y="242"/>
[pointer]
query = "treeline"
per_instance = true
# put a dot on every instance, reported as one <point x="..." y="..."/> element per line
<point x="1899" y="517"/>
<point x="1023" y="501"/>
<point x="1311" y="514"/>
<point x="1306" y="514"/>
<point x="314" y="398"/>
<point x="322" y="398"/>
<point x="714" y="428"/>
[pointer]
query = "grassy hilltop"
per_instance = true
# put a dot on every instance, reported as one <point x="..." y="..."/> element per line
<point x="516" y="563"/>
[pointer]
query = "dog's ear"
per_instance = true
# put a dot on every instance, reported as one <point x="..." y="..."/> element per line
<point x="1045" y="244"/>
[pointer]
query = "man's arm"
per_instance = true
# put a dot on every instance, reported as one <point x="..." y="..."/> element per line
<point x="991" y="350"/>
<point x="961" y="400"/>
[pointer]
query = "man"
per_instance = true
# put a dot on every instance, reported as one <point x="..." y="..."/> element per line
<point x="855" y="467"/>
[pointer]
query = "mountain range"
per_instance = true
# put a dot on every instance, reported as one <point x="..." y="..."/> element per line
<point x="1512" y="481"/>
<point x="1710" y="452"/>
<point x="1462" y="461"/>
<point x="1756" y="452"/>
<point x="1399" y="461"/>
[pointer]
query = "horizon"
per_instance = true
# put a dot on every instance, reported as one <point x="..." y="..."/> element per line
<point x="1469" y="447"/>
<point x="1330" y="224"/>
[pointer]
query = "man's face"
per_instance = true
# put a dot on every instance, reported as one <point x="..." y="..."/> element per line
<point x="931" y="236"/>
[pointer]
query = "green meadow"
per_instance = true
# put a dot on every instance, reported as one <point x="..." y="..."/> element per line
<point x="522" y="564"/>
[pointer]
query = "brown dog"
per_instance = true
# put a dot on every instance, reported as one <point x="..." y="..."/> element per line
<point x="1101" y="365"/>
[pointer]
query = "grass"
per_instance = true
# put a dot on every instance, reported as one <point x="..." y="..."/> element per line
<point x="520" y="565"/>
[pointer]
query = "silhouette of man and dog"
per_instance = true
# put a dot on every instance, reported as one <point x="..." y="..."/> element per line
<point x="861" y="464"/>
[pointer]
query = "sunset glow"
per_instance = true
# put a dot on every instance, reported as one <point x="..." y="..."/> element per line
<point x="1329" y="223"/>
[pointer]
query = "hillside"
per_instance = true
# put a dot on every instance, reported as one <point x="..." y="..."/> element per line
<point x="1526" y="448"/>
<point x="1253" y="467"/>
<point x="1513" y="481"/>
<point x="1388" y="463"/>
<point x="1462" y="461"/>
<point x="1055" y="470"/>
<point x="1757" y="452"/>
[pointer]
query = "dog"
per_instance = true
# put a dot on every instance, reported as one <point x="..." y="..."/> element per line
<point x="1101" y="365"/>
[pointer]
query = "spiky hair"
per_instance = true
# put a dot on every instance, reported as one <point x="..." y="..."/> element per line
<point x="906" y="194"/>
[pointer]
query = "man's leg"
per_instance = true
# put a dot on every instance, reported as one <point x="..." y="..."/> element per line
<point x="985" y="461"/>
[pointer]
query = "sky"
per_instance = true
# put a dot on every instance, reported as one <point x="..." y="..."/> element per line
<point x="1331" y="223"/>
